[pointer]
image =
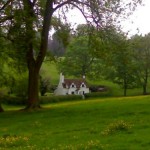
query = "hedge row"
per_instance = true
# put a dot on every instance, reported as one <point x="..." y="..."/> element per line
<point x="9" y="100"/>
<point x="56" y="99"/>
<point x="13" y="100"/>
<point x="98" y="94"/>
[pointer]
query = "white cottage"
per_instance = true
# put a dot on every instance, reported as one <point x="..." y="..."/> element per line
<point x="71" y="86"/>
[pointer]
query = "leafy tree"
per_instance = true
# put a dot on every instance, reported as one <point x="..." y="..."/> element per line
<point x="60" y="38"/>
<point x="123" y="69"/>
<point x="141" y="50"/>
<point x="77" y="60"/>
<point x="26" y="24"/>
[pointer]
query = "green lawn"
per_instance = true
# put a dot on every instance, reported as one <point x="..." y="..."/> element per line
<point x="107" y="124"/>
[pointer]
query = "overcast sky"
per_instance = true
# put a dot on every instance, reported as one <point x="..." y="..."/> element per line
<point x="139" y="20"/>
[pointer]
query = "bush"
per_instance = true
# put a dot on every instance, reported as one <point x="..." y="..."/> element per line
<point x="44" y="85"/>
<point x="98" y="88"/>
<point x="117" y="126"/>
<point x="98" y="94"/>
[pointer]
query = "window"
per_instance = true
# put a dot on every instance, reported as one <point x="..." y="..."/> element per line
<point x="82" y="85"/>
<point x="72" y="85"/>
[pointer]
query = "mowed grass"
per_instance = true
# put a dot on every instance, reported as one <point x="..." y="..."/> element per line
<point x="107" y="124"/>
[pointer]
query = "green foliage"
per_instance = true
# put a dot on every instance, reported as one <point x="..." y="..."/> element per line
<point x="56" y="99"/>
<point x="21" y="86"/>
<point x="61" y="37"/>
<point x="14" y="100"/>
<point x="141" y="51"/>
<point x="122" y="69"/>
<point x="98" y="94"/>
<point x="44" y="85"/>
<point x="62" y="31"/>
<point x="78" y="60"/>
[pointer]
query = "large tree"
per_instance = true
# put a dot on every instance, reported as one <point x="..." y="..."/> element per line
<point x="23" y="20"/>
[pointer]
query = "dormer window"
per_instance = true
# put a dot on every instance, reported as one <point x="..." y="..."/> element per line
<point x="72" y="85"/>
<point x="82" y="85"/>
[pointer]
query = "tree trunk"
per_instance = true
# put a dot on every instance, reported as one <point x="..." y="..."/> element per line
<point x="1" y="109"/>
<point x="144" y="89"/>
<point x="125" y="91"/>
<point x="125" y="86"/>
<point x="145" y="83"/>
<point x="33" y="88"/>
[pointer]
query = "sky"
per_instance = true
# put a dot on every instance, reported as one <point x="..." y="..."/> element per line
<point x="138" y="23"/>
<point x="139" y="20"/>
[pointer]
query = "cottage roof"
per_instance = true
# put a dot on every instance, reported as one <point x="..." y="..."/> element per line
<point x="77" y="82"/>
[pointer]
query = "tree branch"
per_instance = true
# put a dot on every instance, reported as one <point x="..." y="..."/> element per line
<point x="62" y="4"/>
<point x="34" y="1"/>
<point x="80" y="11"/>
<point x="6" y="18"/>
<point x="71" y="2"/>
<point x="5" y="5"/>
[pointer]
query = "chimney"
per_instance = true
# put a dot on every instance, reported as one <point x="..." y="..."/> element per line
<point x="61" y="78"/>
<point x="83" y="76"/>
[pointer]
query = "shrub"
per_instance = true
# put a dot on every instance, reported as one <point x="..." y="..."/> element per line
<point x="98" y="94"/>
<point x="120" y="125"/>
<point x="98" y="88"/>
<point x="61" y="98"/>
<point x="44" y="85"/>
<point x="8" y="141"/>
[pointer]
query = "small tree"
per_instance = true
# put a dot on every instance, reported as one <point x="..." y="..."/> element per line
<point x="122" y="68"/>
<point x="44" y="85"/>
<point x="141" y="50"/>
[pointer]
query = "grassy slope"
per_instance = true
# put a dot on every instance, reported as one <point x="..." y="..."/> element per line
<point x="49" y="70"/>
<point x="76" y="123"/>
